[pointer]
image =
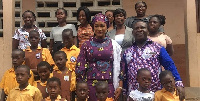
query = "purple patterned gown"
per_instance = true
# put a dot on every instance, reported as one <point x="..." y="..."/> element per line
<point x="95" y="63"/>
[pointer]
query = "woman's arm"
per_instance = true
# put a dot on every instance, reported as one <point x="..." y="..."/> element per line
<point x="51" y="45"/>
<point x="15" y="44"/>
<point x="170" y="49"/>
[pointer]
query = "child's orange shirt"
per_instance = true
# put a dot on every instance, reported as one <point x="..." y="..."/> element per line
<point x="9" y="82"/>
<point x="72" y="55"/>
<point x="58" y="99"/>
<point x="32" y="58"/>
<point x="164" y="95"/>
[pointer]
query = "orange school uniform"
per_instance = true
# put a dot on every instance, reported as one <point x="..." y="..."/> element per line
<point x="72" y="55"/>
<point x="32" y="58"/>
<point x="9" y="82"/>
<point x="30" y="93"/>
<point x="164" y="95"/>
<point x="58" y="99"/>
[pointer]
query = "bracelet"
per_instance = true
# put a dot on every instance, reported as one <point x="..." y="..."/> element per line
<point x="120" y="87"/>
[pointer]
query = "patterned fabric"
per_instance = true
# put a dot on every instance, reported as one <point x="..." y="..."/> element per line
<point x="139" y="96"/>
<point x="95" y="63"/>
<point x="100" y="17"/>
<point x="8" y="81"/>
<point x="151" y="56"/>
<point x="163" y="95"/>
<point x="84" y="34"/>
<point x="22" y="35"/>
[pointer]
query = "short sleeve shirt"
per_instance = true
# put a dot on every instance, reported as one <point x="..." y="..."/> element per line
<point x="56" y="32"/>
<point x="22" y="35"/>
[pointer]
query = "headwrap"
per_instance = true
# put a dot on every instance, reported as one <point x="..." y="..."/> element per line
<point x="100" y="17"/>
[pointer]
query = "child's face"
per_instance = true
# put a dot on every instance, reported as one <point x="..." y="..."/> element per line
<point x="82" y="17"/>
<point x="53" y="89"/>
<point x="60" y="60"/>
<point x="28" y="18"/>
<point x="34" y="39"/>
<point x="82" y="91"/>
<point x="102" y="93"/>
<point x="22" y="75"/>
<point x="17" y="58"/>
<point x="144" y="79"/>
<point x="61" y="16"/>
<point x="67" y="39"/>
<point x="43" y="72"/>
<point x="168" y="83"/>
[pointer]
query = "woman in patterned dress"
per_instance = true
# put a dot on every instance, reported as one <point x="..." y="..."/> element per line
<point x="99" y="60"/>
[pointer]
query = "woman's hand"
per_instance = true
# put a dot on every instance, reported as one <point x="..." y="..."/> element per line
<point x="117" y="93"/>
<point x="181" y="93"/>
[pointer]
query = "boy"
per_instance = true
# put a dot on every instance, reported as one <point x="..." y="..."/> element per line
<point x="24" y="92"/>
<point x="54" y="89"/>
<point x="44" y="72"/>
<point x="168" y="92"/>
<point x="142" y="93"/>
<point x="66" y="75"/>
<point x="82" y="91"/>
<point x="8" y="81"/>
<point x="35" y="54"/>
<point x="69" y="48"/>
<point x="102" y="91"/>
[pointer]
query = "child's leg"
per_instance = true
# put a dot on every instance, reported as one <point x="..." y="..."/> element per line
<point x="3" y="95"/>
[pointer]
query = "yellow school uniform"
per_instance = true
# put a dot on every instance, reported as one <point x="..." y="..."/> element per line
<point x="72" y="55"/>
<point x="164" y="95"/>
<point x="9" y="82"/>
<point x="30" y="93"/>
<point x="58" y="99"/>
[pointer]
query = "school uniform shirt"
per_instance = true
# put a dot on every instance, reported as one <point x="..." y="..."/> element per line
<point x="32" y="58"/>
<point x="139" y="96"/>
<point x="30" y="93"/>
<point x="58" y="99"/>
<point x="68" y="82"/>
<point x="22" y="35"/>
<point x="9" y="81"/>
<point x="72" y="55"/>
<point x="42" y="86"/>
<point x="164" y="95"/>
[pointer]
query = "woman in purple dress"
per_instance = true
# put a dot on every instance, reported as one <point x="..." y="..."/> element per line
<point x="99" y="60"/>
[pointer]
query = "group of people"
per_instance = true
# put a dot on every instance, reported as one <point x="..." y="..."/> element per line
<point x="108" y="58"/>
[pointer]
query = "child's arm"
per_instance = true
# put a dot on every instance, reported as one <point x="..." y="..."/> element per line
<point x="46" y="56"/>
<point x="3" y="95"/>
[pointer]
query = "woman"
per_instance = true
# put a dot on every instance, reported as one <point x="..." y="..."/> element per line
<point x="140" y="8"/>
<point x="121" y="33"/>
<point x="20" y="39"/>
<point x="109" y="15"/>
<point x="56" y="32"/>
<point x="99" y="60"/>
<point x="84" y="30"/>
<point x="153" y="26"/>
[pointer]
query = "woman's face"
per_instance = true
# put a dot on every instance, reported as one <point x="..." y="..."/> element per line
<point x="119" y="19"/>
<point x="28" y="18"/>
<point x="82" y="17"/>
<point x="140" y="9"/>
<point x="154" y="24"/>
<point x="109" y="15"/>
<point x="100" y="29"/>
<point x="61" y="16"/>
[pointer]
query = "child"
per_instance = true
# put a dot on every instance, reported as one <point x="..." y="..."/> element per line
<point x="35" y="54"/>
<point x="82" y="91"/>
<point x="54" y="89"/>
<point x="66" y="75"/>
<point x="71" y="50"/>
<point x="142" y="93"/>
<point x="8" y="81"/>
<point x="24" y="92"/>
<point x="102" y="91"/>
<point x="168" y="92"/>
<point x="44" y="72"/>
